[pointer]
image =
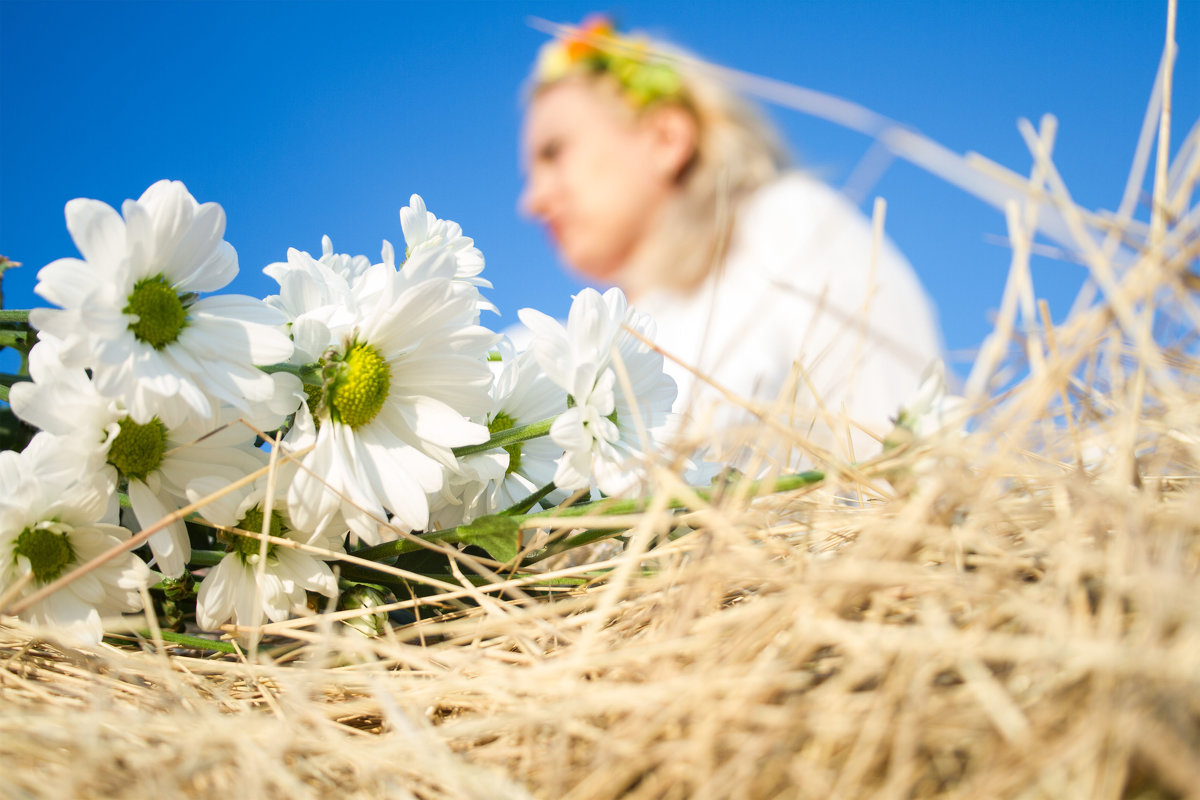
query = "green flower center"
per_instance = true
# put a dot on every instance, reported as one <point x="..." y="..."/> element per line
<point x="502" y="422"/>
<point x="160" y="313"/>
<point x="138" y="449"/>
<point x="247" y="547"/>
<point x="313" y="393"/>
<point x="49" y="552"/>
<point x="359" y="386"/>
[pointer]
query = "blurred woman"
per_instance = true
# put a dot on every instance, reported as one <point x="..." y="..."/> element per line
<point x="772" y="295"/>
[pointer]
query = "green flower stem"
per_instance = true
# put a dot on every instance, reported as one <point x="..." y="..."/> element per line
<point x="194" y="642"/>
<point x="785" y="483"/>
<point x="309" y="374"/>
<point x="617" y="507"/>
<point x="570" y="543"/>
<point x="522" y="506"/>
<point x="402" y="588"/>
<point x="7" y="380"/>
<point x="356" y="572"/>
<point x="508" y="437"/>
<point x="206" y="558"/>
<point x="17" y="339"/>
<point x="16" y="333"/>
<point x="388" y="550"/>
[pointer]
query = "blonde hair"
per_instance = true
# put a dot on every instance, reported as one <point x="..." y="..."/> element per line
<point x="737" y="152"/>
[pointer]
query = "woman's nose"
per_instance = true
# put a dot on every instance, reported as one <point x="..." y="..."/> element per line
<point x="533" y="199"/>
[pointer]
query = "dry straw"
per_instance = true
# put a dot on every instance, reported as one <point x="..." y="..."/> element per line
<point x="1022" y="620"/>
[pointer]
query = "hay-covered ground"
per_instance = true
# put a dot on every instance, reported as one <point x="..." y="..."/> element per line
<point x="1010" y="613"/>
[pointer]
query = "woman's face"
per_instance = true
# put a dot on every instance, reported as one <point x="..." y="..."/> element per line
<point x="596" y="176"/>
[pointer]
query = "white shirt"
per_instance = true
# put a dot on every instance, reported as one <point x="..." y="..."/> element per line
<point x="803" y="287"/>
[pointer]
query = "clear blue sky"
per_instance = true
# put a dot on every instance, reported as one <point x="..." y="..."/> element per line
<point x="311" y="118"/>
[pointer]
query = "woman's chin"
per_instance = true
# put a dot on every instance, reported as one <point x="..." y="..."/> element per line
<point x="599" y="271"/>
<point x="590" y="263"/>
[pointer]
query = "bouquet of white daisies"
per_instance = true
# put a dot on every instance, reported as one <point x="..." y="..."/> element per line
<point x="363" y="408"/>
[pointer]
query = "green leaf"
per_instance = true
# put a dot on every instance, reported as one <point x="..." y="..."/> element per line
<point x="497" y="534"/>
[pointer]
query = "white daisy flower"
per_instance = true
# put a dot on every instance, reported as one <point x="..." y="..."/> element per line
<point x="495" y="480"/>
<point x="229" y="510"/>
<point x="242" y="589"/>
<point x="162" y="465"/>
<point x="931" y="409"/>
<point x="63" y="401"/>
<point x="425" y="232"/>
<point x="599" y="432"/>
<point x="931" y="413"/>
<point x="158" y="462"/>
<point x="523" y="395"/>
<point x="51" y="519"/>
<point x="313" y="296"/>
<point x="404" y="370"/>
<point x="346" y="265"/>
<point x="128" y="310"/>
<point x="465" y="495"/>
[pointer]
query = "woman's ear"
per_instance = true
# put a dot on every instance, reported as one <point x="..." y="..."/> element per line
<point x="674" y="134"/>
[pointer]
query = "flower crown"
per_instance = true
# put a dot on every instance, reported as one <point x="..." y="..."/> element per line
<point x="595" y="47"/>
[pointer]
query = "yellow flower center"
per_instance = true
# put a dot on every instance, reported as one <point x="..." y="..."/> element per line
<point x="159" y="309"/>
<point x="359" y="386"/>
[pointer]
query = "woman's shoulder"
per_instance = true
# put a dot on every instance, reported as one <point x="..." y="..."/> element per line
<point x="801" y="224"/>
<point x="797" y="202"/>
<point x="793" y="187"/>
<point x="798" y="237"/>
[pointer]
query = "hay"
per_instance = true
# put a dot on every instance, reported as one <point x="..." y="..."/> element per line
<point x="1023" y="621"/>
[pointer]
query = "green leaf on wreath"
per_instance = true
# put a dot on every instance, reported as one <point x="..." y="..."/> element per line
<point x="498" y="535"/>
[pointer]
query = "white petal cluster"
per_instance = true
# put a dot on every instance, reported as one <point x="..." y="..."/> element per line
<point x="245" y="588"/>
<point x="424" y="232"/>
<point x="931" y="414"/>
<point x="600" y="431"/>
<point x="932" y="408"/>
<point x="238" y="591"/>
<point x="65" y="402"/>
<point x="197" y="458"/>
<point x="55" y="516"/>
<point x="524" y="395"/>
<point x="160" y="464"/>
<point x="130" y="310"/>
<point x="348" y="266"/>
<point x="404" y="369"/>
<point x="494" y="480"/>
